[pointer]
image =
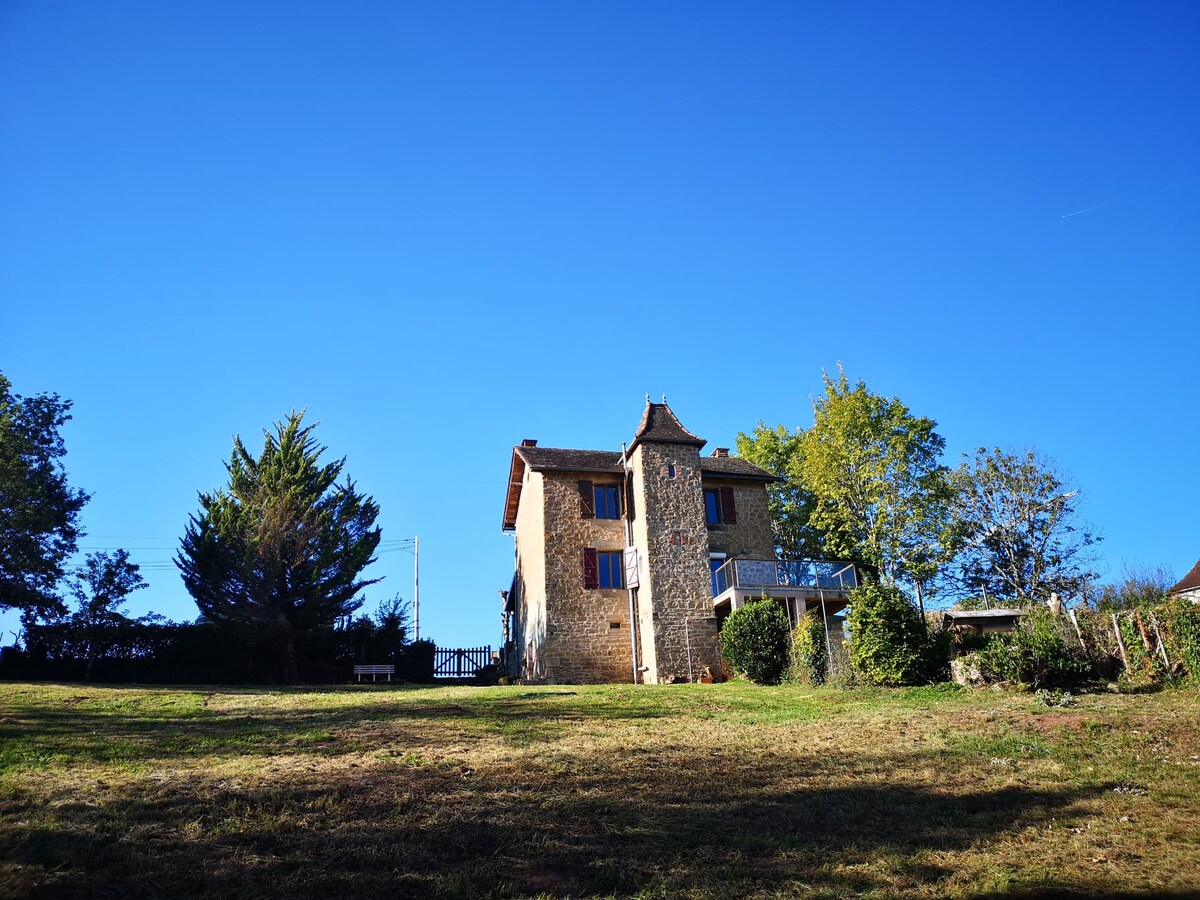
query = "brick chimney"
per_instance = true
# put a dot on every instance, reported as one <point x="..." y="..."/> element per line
<point x="720" y="453"/>
<point x="529" y="442"/>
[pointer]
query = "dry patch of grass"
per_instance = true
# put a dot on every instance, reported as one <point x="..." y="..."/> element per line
<point x="695" y="791"/>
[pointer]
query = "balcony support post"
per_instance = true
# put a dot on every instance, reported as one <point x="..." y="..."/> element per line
<point x="825" y="624"/>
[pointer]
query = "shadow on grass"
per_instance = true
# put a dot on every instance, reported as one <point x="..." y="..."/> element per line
<point x="720" y="825"/>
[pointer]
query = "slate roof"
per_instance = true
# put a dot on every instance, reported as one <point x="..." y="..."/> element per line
<point x="557" y="459"/>
<point x="1189" y="582"/>
<point x="554" y="459"/>
<point x="733" y="467"/>
<point x="659" y="424"/>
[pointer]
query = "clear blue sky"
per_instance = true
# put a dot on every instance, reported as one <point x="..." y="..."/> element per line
<point x="445" y="227"/>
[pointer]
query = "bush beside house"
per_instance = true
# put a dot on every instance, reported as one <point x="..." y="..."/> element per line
<point x="889" y="642"/>
<point x="755" y="639"/>
<point x="810" y="655"/>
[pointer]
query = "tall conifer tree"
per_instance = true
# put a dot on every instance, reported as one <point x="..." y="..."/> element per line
<point x="277" y="554"/>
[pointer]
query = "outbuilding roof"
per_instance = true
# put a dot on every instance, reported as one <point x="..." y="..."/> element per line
<point x="959" y="614"/>
<point x="1189" y="582"/>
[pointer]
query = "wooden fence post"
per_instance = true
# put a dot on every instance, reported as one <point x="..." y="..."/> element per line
<point x="1120" y="643"/>
<point x="1141" y="627"/>
<point x="1162" y="650"/>
<point x="1078" y="633"/>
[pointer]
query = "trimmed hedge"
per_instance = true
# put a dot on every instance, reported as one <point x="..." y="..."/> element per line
<point x="173" y="653"/>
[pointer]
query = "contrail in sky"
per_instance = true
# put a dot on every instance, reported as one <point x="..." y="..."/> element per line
<point x="1169" y="187"/>
<point x="1080" y="212"/>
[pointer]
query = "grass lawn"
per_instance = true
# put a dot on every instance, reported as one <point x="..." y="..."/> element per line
<point x="691" y="790"/>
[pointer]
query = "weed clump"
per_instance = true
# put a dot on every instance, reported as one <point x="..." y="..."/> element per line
<point x="1038" y="652"/>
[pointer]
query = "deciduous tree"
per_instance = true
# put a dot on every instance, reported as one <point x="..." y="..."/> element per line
<point x="101" y="586"/>
<point x="1019" y="527"/>
<point x="278" y="553"/>
<point x="39" y="510"/>
<point x="778" y="450"/>
<point x="880" y="488"/>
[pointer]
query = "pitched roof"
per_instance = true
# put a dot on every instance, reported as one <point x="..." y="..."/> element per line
<point x="554" y="459"/>
<point x="1189" y="582"/>
<point x="660" y="425"/>
<point x="734" y="467"/>
<point x="557" y="459"/>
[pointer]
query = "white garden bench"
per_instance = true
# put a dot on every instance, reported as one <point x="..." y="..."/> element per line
<point x="374" y="671"/>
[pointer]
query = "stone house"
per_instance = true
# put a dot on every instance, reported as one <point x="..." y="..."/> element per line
<point x="627" y="561"/>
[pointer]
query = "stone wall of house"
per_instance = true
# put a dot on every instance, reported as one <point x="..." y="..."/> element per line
<point x="588" y="629"/>
<point x="678" y="629"/>
<point x="751" y="536"/>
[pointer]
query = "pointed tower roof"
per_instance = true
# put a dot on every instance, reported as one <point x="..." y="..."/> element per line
<point x="659" y="425"/>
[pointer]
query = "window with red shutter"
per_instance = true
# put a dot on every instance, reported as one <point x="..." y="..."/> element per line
<point x="587" y="500"/>
<point x="591" y="568"/>
<point x="728" y="508"/>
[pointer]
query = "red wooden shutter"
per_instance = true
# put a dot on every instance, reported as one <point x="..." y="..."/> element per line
<point x="587" y="500"/>
<point x="728" y="508"/>
<point x="591" y="568"/>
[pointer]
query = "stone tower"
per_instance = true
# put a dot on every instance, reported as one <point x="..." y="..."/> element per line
<point x="676" y="624"/>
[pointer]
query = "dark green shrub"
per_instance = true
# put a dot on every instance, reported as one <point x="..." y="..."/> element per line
<point x="1040" y="651"/>
<point x="938" y="648"/>
<point x="888" y="642"/>
<point x="754" y="641"/>
<point x="810" y="656"/>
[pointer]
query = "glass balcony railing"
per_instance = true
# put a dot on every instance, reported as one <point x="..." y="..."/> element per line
<point x="825" y="575"/>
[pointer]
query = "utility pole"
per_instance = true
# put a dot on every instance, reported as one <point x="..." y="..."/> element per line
<point x="416" y="588"/>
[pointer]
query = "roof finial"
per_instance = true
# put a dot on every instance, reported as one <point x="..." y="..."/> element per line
<point x="664" y="399"/>
<point x="647" y="398"/>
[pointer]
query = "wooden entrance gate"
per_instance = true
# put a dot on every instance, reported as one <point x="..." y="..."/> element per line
<point x="460" y="662"/>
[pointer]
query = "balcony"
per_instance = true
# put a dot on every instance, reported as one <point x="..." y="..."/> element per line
<point x="822" y="581"/>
